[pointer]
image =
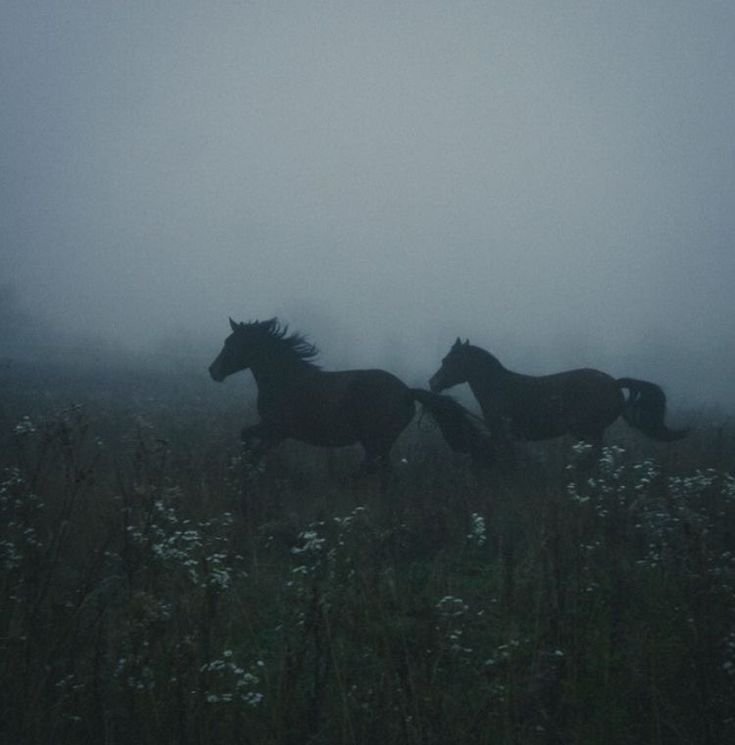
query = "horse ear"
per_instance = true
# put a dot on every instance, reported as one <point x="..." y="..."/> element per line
<point x="458" y="343"/>
<point x="467" y="342"/>
<point x="233" y="325"/>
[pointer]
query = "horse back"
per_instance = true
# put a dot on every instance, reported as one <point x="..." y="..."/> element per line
<point x="582" y="401"/>
<point x="376" y="401"/>
<point x="340" y="407"/>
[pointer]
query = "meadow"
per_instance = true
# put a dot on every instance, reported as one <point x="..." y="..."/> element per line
<point x="158" y="587"/>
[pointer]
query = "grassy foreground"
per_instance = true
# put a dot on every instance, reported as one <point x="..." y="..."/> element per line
<point x="158" y="589"/>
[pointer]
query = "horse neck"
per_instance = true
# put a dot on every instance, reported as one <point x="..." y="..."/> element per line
<point x="273" y="371"/>
<point x="486" y="372"/>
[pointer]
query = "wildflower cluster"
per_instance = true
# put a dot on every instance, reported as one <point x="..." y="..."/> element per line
<point x="608" y="486"/>
<point x="506" y="651"/>
<point x="669" y="521"/>
<point x="729" y="653"/>
<point x="728" y="488"/>
<point x="666" y="514"/>
<point x="691" y="487"/>
<point x="20" y="512"/>
<point x="147" y="620"/>
<point x="311" y="543"/>
<point x="326" y="545"/>
<point x="69" y="689"/>
<point x="323" y="563"/>
<point x="25" y="427"/>
<point x="200" y="549"/>
<point x="477" y="534"/>
<point x="497" y="666"/>
<point x="452" y="612"/>
<point x="310" y="552"/>
<point x="228" y="682"/>
<point x="135" y="673"/>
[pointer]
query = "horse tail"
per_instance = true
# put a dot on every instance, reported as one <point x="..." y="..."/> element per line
<point x="645" y="409"/>
<point x="463" y="431"/>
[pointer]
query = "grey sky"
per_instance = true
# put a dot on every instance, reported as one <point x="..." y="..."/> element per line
<point x="552" y="179"/>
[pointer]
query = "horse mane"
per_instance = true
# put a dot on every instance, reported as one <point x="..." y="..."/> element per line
<point x="275" y="332"/>
<point x="480" y="353"/>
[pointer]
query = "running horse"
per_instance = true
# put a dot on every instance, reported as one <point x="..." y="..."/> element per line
<point x="296" y="399"/>
<point x="581" y="402"/>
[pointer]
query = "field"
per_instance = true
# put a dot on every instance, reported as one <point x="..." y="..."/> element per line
<point x="157" y="588"/>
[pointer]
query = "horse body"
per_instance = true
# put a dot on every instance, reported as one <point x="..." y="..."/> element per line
<point x="581" y="402"/>
<point x="539" y="408"/>
<point x="330" y="409"/>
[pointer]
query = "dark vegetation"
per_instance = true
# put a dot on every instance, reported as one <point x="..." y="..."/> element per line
<point x="157" y="589"/>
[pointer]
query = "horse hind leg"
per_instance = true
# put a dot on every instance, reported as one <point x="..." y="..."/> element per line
<point x="377" y="463"/>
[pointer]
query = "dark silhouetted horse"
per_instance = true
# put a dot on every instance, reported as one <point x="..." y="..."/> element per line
<point x="581" y="402"/>
<point x="298" y="400"/>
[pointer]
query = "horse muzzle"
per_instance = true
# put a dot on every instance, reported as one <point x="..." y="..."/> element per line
<point x="216" y="374"/>
<point x="436" y="384"/>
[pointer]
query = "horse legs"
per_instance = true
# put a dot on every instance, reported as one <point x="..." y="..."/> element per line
<point x="377" y="462"/>
<point x="258" y="439"/>
<point x="500" y="427"/>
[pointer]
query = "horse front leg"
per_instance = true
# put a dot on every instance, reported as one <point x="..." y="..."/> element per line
<point x="258" y="439"/>
<point x="501" y="433"/>
<point x="377" y="463"/>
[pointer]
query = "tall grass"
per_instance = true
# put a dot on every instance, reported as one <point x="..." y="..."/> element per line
<point x="158" y="588"/>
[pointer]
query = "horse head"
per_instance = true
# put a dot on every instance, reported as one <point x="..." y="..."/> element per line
<point x="236" y="353"/>
<point x="453" y="368"/>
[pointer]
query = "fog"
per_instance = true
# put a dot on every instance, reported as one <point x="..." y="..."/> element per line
<point x="552" y="180"/>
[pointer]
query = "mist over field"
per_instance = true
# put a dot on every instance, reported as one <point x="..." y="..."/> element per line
<point x="354" y="560"/>
<point x="552" y="180"/>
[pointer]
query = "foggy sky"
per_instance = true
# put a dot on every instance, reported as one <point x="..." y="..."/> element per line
<point x="553" y="180"/>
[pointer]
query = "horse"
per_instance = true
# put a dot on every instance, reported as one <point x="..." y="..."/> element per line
<point x="298" y="400"/>
<point x="581" y="402"/>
